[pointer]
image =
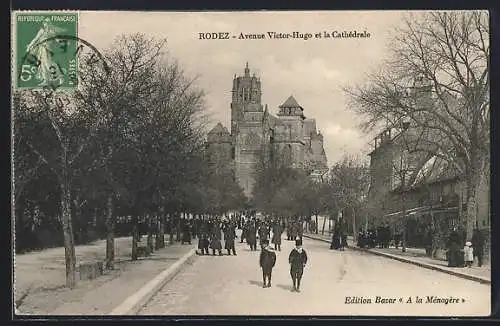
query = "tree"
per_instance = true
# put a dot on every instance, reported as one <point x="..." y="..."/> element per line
<point x="350" y="178"/>
<point x="446" y="57"/>
<point x="57" y="135"/>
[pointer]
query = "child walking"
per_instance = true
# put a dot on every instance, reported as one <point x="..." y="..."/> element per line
<point x="468" y="254"/>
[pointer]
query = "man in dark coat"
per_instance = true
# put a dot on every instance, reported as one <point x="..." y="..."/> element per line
<point x="300" y="228"/>
<point x="454" y="249"/>
<point x="244" y="231"/>
<point x="277" y="231"/>
<point x="215" y="243"/>
<point x="335" y="244"/>
<point x="297" y="260"/>
<point x="203" y="239"/>
<point x="186" y="232"/>
<point x="229" y="236"/>
<point x="263" y="234"/>
<point x="343" y="234"/>
<point x="267" y="261"/>
<point x="251" y="236"/>
<point x="478" y="245"/>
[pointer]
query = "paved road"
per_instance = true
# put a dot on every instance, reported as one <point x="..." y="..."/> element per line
<point x="232" y="285"/>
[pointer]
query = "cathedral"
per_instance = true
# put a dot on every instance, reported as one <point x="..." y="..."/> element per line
<point x="255" y="132"/>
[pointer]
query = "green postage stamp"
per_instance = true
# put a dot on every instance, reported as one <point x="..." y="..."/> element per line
<point x="46" y="47"/>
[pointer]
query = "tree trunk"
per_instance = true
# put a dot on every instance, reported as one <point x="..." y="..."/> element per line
<point x="110" y="233"/>
<point x="354" y="233"/>
<point x="323" y="228"/>
<point x="161" y="227"/>
<point x="472" y="184"/>
<point x="135" y="236"/>
<point x="403" y="242"/>
<point x="69" y="242"/>
<point x="150" y="232"/>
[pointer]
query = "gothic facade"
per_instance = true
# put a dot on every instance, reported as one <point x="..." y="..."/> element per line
<point x="255" y="132"/>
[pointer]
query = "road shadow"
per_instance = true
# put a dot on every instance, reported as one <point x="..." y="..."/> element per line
<point x="259" y="284"/>
<point x="288" y="287"/>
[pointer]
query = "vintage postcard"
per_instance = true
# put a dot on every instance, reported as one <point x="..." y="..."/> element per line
<point x="271" y="163"/>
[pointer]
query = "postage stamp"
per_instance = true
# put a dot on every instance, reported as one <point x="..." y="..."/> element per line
<point x="43" y="57"/>
<point x="329" y="149"/>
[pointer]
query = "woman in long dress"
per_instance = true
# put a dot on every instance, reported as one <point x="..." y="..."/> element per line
<point x="43" y="51"/>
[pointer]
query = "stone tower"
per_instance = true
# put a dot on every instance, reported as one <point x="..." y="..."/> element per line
<point x="257" y="134"/>
<point x="291" y="114"/>
<point x="246" y="127"/>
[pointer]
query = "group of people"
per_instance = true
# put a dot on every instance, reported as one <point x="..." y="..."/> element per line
<point x="210" y="236"/>
<point x="339" y="236"/>
<point x="254" y="228"/>
<point x="380" y="237"/>
<point x="294" y="229"/>
<point x="459" y="256"/>
<point x="297" y="260"/>
<point x="262" y="229"/>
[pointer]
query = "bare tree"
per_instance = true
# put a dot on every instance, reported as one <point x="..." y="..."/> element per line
<point x="351" y="180"/>
<point x="57" y="135"/>
<point x="445" y="55"/>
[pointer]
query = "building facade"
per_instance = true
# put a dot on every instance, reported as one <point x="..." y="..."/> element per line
<point x="417" y="186"/>
<point x="256" y="132"/>
<point x="425" y="190"/>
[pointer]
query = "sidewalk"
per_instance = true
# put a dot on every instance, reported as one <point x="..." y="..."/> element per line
<point x="42" y="276"/>
<point x="417" y="257"/>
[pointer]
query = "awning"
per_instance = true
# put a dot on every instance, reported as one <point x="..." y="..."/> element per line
<point x="423" y="210"/>
<point x="408" y="211"/>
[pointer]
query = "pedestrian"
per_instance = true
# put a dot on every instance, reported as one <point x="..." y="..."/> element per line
<point x="288" y="230"/>
<point x="243" y="231"/>
<point x="297" y="260"/>
<point x="267" y="261"/>
<point x="335" y="243"/>
<point x="277" y="231"/>
<point x="455" y="258"/>
<point x="263" y="234"/>
<point x="203" y="242"/>
<point x="468" y="254"/>
<point x="216" y="236"/>
<point x="251" y="236"/>
<point x="186" y="232"/>
<point x="478" y="245"/>
<point x="229" y="236"/>
<point x="300" y="228"/>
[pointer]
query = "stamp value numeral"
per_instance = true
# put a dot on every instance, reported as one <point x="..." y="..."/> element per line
<point x="27" y="72"/>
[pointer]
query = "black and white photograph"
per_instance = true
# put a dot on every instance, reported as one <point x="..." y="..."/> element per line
<point x="251" y="163"/>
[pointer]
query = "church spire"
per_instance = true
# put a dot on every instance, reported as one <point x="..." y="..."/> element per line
<point x="247" y="71"/>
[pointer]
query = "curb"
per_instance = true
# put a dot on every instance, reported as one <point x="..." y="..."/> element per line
<point x="409" y="261"/>
<point x="133" y="304"/>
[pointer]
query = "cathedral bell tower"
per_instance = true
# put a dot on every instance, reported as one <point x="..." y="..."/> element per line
<point x="246" y="96"/>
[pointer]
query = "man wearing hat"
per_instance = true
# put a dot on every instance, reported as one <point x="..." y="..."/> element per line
<point x="297" y="260"/>
<point x="267" y="261"/>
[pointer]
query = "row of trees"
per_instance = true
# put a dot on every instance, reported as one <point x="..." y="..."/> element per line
<point x="127" y="142"/>
<point x="283" y="191"/>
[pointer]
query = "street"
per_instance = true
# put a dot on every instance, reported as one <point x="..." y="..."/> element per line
<point x="232" y="285"/>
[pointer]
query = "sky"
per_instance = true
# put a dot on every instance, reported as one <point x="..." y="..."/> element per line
<point x="313" y="70"/>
